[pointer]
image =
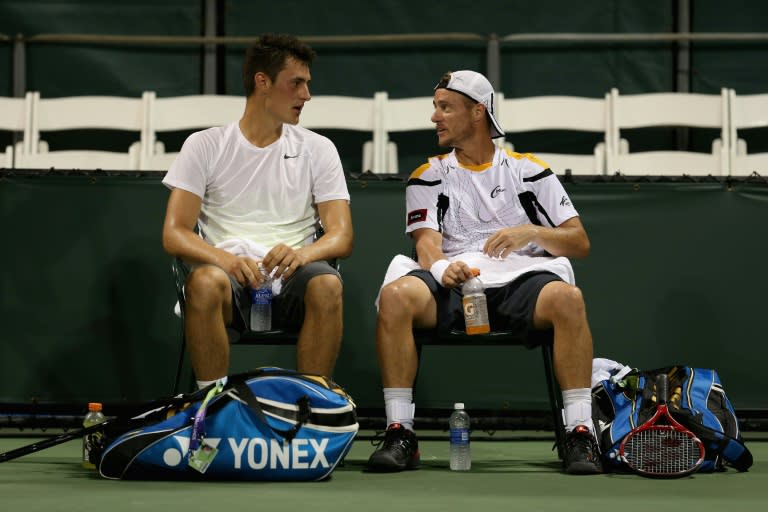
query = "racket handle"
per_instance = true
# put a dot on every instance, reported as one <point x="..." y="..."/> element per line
<point x="662" y="388"/>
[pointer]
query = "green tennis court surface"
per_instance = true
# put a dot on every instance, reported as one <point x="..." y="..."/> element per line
<point x="518" y="472"/>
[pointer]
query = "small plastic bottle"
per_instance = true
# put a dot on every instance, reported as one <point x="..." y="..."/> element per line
<point x="475" y="305"/>
<point x="261" y="305"/>
<point x="93" y="439"/>
<point x="460" y="455"/>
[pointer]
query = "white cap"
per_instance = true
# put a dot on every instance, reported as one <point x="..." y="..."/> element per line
<point x="476" y="87"/>
<point x="458" y="405"/>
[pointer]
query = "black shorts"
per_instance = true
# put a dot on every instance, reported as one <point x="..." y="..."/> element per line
<point x="510" y="307"/>
<point x="287" y="307"/>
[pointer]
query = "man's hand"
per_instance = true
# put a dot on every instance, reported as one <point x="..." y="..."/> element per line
<point x="506" y="240"/>
<point x="245" y="270"/>
<point x="286" y="259"/>
<point x="455" y="274"/>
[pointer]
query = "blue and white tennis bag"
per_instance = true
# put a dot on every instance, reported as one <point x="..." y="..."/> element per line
<point x="266" y="424"/>
<point x="696" y="400"/>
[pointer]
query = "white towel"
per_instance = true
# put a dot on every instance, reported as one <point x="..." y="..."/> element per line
<point x="494" y="272"/>
<point x="604" y="369"/>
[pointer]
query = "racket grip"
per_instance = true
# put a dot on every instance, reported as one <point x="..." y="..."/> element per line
<point x="662" y="388"/>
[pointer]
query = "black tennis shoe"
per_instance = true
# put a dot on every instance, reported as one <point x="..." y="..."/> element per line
<point x="398" y="451"/>
<point x="582" y="456"/>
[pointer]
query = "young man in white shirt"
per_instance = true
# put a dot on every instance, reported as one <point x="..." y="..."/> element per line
<point x="257" y="190"/>
<point x="508" y="215"/>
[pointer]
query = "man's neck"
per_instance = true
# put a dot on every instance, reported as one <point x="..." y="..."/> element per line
<point x="477" y="153"/>
<point x="259" y="128"/>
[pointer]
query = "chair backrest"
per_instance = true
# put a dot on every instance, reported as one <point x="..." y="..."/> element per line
<point x="15" y="117"/>
<point x="401" y="115"/>
<point x="179" y="113"/>
<point x="517" y="115"/>
<point x="82" y="113"/>
<point x="347" y="113"/>
<point x="747" y="111"/>
<point x="668" y="110"/>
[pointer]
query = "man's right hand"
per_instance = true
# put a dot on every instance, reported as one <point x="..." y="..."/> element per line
<point x="245" y="270"/>
<point x="455" y="274"/>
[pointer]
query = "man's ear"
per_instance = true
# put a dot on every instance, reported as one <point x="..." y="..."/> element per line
<point x="262" y="81"/>
<point x="478" y="112"/>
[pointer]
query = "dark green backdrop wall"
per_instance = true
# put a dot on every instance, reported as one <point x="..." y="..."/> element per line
<point x="86" y="294"/>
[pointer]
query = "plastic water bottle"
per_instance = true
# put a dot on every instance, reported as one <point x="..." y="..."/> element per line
<point x="475" y="305"/>
<point x="261" y="305"/>
<point x="460" y="455"/>
<point x="92" y="440"/>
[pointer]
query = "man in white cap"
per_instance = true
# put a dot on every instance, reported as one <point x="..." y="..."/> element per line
<point x="508" y="215"/>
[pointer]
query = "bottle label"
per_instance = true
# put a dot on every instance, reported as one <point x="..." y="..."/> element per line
<point x="476" y="314"/>
<point x="262" y="296"/>
<point x="459" y="436"/>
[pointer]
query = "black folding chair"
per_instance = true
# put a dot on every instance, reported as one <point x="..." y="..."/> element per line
<point x="543" y="339"/>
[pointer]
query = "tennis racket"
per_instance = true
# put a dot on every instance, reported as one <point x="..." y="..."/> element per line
<point x="49" y="442"/>
<point x="662" y="447"/>
<point x="159" y="409"/>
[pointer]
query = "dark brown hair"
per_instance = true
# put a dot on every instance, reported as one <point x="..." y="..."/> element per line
<point x="269" y="54"/>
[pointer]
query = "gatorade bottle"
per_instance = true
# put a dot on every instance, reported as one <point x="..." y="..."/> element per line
<point x="93" y="439"/>
<point x="475" y="305"/>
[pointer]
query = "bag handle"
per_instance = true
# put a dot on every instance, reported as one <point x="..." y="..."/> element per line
<point x="302" y="415"/>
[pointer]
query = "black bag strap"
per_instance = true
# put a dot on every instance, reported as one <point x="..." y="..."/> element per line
<point x="303" y="414"/>
<point x="734" y="451"/>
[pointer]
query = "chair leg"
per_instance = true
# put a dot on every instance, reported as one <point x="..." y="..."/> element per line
<point x="180" y="364"/>
<point x="555" y="400"/>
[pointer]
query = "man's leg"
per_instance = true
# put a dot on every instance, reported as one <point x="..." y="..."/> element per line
<point x="208" y="311"/>
<point x="403" y="304"/>
<point x="320" y="334"/>
<point x="561" y="307"/>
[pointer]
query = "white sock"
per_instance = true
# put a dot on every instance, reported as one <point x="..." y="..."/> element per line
<point x="399" y="406"/>
<point x="578" y="408"/>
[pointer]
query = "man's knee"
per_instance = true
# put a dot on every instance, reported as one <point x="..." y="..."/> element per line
<point x="563" y="301"/>
<point x="324" y="292"/>
<point x="401" y="296"/>
<point x="206" y="286"/>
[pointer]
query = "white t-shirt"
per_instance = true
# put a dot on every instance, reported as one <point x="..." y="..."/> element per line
<point x="469" y="204"/>
<point x="265" y="195"/>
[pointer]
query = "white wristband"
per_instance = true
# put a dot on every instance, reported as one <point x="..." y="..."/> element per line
<point x="438" y="270"/>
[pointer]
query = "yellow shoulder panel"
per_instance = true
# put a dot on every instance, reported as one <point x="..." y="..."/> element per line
<point x="527" y="156"/>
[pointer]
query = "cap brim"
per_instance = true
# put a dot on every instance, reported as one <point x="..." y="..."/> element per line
<point x="496" y="130"/>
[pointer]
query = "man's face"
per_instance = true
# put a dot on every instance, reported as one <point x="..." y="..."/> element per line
<point x="288" y="93"/>
<point x="452" y="118"/>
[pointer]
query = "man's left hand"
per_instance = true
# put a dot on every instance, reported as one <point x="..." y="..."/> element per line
<point x="506" y="240"/>
<point x="285" y="259"/>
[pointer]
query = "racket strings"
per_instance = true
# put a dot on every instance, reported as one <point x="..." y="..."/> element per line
<point x="662" y="451"/>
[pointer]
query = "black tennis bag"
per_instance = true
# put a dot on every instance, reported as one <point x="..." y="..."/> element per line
<point x="696" y="400"/>
<point x="266" y="424"/>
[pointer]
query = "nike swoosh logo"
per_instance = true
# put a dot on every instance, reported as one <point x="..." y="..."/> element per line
<point x="286" y="157"/>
